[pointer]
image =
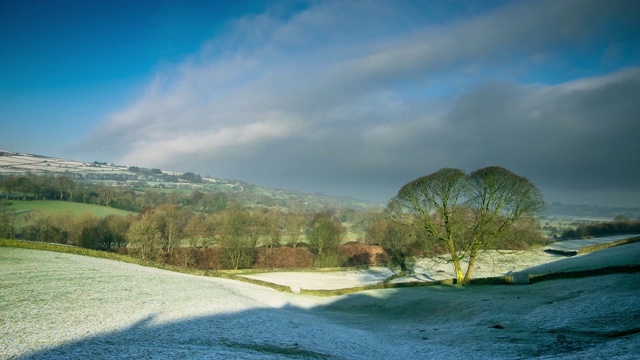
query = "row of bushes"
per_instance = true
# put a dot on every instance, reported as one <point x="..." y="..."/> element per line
<point x="283" y="257"/>
<point x="203" y="260"/>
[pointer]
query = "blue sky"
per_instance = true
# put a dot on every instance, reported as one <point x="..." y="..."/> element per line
<point x="343" y="97"/>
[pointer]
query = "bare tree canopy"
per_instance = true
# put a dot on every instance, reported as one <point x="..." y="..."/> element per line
<point x="464" y="213"/>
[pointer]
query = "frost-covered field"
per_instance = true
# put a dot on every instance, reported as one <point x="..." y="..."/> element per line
<point x="56" y="305"/>
<point x="490" y="263"/>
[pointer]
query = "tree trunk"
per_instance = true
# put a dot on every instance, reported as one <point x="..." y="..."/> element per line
<point x="458" y="268"/>
<point x="470" y="268"/>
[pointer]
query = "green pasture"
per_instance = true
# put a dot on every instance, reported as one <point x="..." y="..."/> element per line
<point x="53" y="206"/>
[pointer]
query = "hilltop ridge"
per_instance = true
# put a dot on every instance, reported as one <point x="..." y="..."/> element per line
<point x="17" y="163"/>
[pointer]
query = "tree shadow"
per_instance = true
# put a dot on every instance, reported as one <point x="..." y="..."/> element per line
<point x="254" y="334"/>
<point x="356" y="326"/>
<point x="426" y="322"/>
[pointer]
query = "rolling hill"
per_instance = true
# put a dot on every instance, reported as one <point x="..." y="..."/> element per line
<point x="14" y="163"/>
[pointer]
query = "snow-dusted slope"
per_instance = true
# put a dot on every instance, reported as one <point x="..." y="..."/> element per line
<point x="56" y="305"/>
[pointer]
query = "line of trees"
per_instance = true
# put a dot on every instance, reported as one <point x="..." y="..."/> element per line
<point x="174" y="234"/>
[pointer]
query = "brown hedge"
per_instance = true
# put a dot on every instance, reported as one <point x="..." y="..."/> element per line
<point x="283" y="257"/>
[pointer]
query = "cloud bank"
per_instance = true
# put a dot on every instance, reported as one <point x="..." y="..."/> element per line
<point x="357" y="98"/>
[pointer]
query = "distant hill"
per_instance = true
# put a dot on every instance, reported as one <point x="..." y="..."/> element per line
<point x="21" y="163"/>
<point x="591" y="212"/>
<point x="15" y="163"/>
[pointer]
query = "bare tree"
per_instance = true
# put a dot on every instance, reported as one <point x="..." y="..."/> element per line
<point x="115" y="231"/>
<point x="272" y="229"/>
<point x="106" y="195"/>
<point x="64" y="185"/>
<point x="498" y="199"/>
<point x="170" y="221"/>
<point x="7" y="221"/>
<point x="195" y="230"/>
<point x="24" y="186"/>
<point x="144" y="236"/>
<point x="38" y="227"/>
<point x="377" y="232"/>
<point x="42" y="186"/>
<point x="434" y="202"/>
<point x="9" y="185"/>
<point x="64" y="224"/>
<point x="325" y="233"/>
<point x="294" y="225"/>
<point x="464" y="213"/>
<point x="212" y="202"/>
<point x="256" y="227"/>
<point x="362" y="221"/>
<point x="234" y="239"/>
<point x="86" y="232"/>
<point x="398" y="240"/>
<point x="194" y="197"/>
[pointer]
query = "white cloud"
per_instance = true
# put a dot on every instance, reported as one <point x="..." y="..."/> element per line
<point x="161" y="148"/>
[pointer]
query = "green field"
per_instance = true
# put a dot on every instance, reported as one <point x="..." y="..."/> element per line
<point x="53" y="206"/>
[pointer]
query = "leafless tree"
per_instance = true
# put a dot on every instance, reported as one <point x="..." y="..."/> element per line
<point x="325" y="233"/>
<point x="464" y="213"/>
<point x="234" y="239"/>
<point x="144" y="236"/>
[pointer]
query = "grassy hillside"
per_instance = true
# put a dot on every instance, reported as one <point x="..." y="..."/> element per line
<point x="52" y="206"/>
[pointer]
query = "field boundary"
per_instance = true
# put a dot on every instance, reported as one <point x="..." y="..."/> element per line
<point x="535" y="278"/>
<point x="497" y="280"/>
<point x="383" y="285"/>
<point x="592" y="248"/>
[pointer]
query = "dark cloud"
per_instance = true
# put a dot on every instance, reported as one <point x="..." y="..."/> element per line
<point x="328" y="99"/>
<point x="574" y="137"/>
